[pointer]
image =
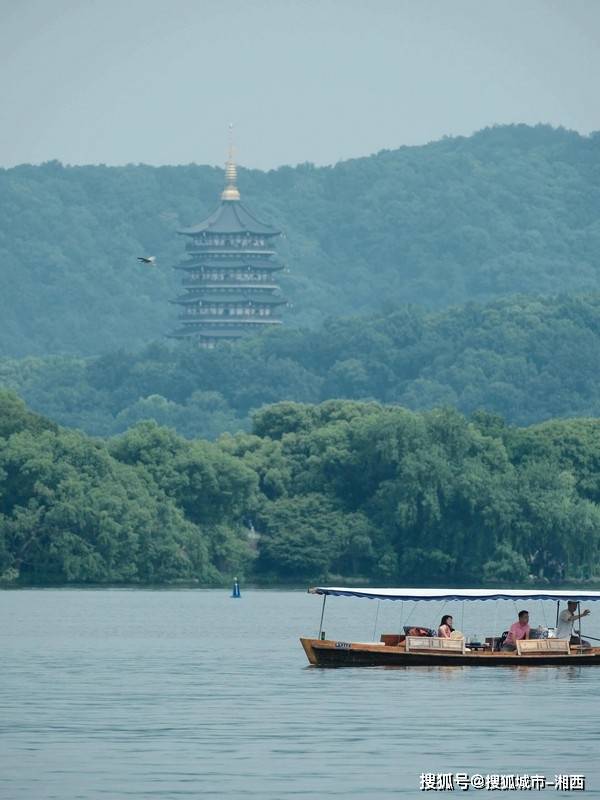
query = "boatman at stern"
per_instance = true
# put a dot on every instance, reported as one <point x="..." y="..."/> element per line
<point x="565" y="623"/>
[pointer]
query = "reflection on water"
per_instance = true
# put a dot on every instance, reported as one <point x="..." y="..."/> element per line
<point x="164" y="694"/>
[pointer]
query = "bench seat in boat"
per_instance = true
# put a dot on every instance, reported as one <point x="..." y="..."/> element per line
<point x="434" y="644"/>
<point x="533" y="647"/>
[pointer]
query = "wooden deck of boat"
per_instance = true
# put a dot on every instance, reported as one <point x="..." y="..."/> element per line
<point x="329" y="653"/>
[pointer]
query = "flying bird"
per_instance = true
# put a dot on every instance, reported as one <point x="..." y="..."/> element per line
<point x="147" y="259"/>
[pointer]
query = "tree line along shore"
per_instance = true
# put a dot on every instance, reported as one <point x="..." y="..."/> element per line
<point x="350" y="489"/>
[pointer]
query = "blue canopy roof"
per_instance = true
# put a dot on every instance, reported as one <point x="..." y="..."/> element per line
<point x="458" y="594"/>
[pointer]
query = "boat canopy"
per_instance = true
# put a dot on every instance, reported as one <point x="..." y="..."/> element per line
<point x="458" y="594"/>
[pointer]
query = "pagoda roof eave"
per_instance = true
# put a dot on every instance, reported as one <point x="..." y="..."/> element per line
<point x="220" y="333"/>
<point x="239" y="297"/>
<point x="248" y="264"/>
<point x="184" y="333"/>
<point x="231" y="216"/>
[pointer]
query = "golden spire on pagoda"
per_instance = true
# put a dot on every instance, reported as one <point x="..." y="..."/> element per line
<point x="230" y="192"/>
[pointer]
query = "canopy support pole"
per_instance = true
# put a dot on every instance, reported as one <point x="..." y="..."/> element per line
<point x="376" y="618"/>
<point x="322" y="613"/>
<point x="557" y="611"/>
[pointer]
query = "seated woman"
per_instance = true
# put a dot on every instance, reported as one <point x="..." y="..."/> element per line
<point x="445" y="629"/>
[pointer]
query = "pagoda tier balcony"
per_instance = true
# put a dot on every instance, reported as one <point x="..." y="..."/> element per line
<point x="206" y="249"/>
<point x="228" y="321"/>
<point x="240" y="283"/>
<point x="226" y="272"/>
<point x="231" y="300"/>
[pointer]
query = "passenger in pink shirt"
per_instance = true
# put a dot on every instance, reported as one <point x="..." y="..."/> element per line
<point x="518" y="630"/>
<point x="445" y="629"/>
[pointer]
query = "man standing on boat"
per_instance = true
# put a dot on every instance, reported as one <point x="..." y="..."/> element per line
<point x="566" y="620"/>
<point x="518" y="630"/>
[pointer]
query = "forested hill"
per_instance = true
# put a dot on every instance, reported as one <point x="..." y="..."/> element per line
<point x="528" y="359"/>
<point x="510" y="209"/>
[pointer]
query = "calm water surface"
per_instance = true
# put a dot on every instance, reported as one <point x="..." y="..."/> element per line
<point x="189" y="694"/>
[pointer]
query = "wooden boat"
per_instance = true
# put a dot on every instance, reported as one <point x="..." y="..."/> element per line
<point x="397" y="650"/>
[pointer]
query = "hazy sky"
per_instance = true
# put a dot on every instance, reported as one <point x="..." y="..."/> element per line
<point x="158" y="81"/>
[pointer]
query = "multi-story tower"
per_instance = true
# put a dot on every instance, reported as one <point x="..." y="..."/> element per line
<point x="229" y="273"/>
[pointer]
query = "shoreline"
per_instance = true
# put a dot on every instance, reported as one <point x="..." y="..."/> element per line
<point x="290" y="587"/>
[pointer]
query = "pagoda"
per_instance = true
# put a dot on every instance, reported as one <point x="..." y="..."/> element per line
<point x="229" y="273"/>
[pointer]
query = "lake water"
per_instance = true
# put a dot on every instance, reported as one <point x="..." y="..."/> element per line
<point x="110" y="694"/>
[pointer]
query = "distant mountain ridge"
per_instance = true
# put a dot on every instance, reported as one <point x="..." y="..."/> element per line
<point x="510" y="209"/>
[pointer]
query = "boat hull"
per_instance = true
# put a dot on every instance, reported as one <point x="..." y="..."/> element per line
<point x="329" y="653"/>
